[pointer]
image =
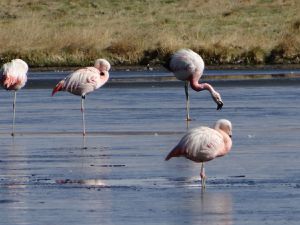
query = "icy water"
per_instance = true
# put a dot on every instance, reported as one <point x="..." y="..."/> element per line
<point x="121" y="178"/>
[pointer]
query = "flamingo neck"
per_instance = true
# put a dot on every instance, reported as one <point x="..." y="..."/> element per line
<point x="201" y="86"/>
<point x="227" y="142"/>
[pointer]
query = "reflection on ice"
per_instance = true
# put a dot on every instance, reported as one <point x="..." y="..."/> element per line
<point x="216" y="208"/>
<point x="89" y="182"/>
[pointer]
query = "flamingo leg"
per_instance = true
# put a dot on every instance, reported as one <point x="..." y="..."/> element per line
<point x="186" y="87"/>
<point x="202" y="175"/>
<point x="14" y="113"/>
<point x="82" y="111"/>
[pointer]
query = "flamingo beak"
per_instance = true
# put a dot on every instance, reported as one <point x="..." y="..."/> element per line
<point x="220" y="105"/>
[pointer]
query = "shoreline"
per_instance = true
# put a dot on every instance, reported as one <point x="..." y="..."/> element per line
<point x="144" y="78"/>
<point x="161" y="68"/>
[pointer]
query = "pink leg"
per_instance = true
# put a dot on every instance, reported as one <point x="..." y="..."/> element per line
<point x="202" y="175"/>
<point x="82" y="111"/>
<point x="14" y="114"/>
<point x="186" y="88"/>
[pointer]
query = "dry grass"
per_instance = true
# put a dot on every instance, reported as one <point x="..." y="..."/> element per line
<point x="130" y="32"/>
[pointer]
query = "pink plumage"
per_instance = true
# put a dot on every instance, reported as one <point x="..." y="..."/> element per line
<point x="14" y="74"/>
<point x="186" y="63"/>
<point x="85" y="80"/>
<point x="13" y="77"/>
<point x="203" y="144"/>
<point x="188" y="66"/>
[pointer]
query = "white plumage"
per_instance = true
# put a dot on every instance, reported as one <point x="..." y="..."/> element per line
<point x="13" y="76"/>
<point x="203" y="144"/>
<point x="185" y="62"/>
<point x="85" y="80"/>
<point x="188" y="66"/>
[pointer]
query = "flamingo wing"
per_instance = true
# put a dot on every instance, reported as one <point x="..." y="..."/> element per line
<point x="201" y="144"/>
<point x="82" y="81"/>
<point x="185" y="62"/>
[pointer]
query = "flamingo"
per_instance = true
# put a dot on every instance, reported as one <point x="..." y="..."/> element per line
<point x="188" y="66"/>
<point x="203" y="144"/>
<point x="13" y="78"/>
<point x="83" y="81"/>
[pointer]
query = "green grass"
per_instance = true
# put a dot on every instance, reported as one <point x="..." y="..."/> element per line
<point x="132" y="32"/>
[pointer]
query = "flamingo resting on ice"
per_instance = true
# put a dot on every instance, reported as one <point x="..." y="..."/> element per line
<point x="85" y="80"/>
<point x="188" y="66"/>
<point x="13" y="78"/>
<point x="203" y="144"/>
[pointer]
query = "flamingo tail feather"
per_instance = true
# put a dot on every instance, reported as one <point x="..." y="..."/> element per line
<point x="176" y="152"/>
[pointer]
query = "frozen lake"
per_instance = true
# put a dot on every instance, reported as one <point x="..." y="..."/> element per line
<point x="47" y="178"/>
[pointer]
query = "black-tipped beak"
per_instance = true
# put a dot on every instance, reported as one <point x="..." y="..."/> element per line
<point x="220" y="105"/>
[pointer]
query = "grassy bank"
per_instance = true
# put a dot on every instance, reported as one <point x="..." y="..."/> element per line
<point x="132" y="32"/>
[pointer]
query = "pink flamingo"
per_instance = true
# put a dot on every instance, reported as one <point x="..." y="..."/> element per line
<point x="13" y="78"/>
<point x="203" y="144"/>
<point x="188" y="66"/>
<point x="85" y="80"/>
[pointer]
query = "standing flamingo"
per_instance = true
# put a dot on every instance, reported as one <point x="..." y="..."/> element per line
<point x="13" y="78"/>
<point x="188" y="66"/>
<point x="85" y="80"/>
<point x="203" y="144"/>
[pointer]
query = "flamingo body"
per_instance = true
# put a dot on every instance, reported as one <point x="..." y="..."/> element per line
<point x="200" y="144"/>
<point x="85" y="80"/>
<point x="14" y="74"/>
<point x="203" y="144"/>
<point x="186" y="63"/>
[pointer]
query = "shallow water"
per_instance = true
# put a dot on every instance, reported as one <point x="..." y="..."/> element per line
<point x="121" y="178"/>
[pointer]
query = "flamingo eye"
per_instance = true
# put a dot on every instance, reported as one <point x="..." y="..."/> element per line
<point x="102" y="74"/>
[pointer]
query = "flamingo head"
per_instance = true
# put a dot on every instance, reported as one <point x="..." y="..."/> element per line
<point x="224" y="125"/>
<point x="217" y="98"/>
<point x="102" y="65"/>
